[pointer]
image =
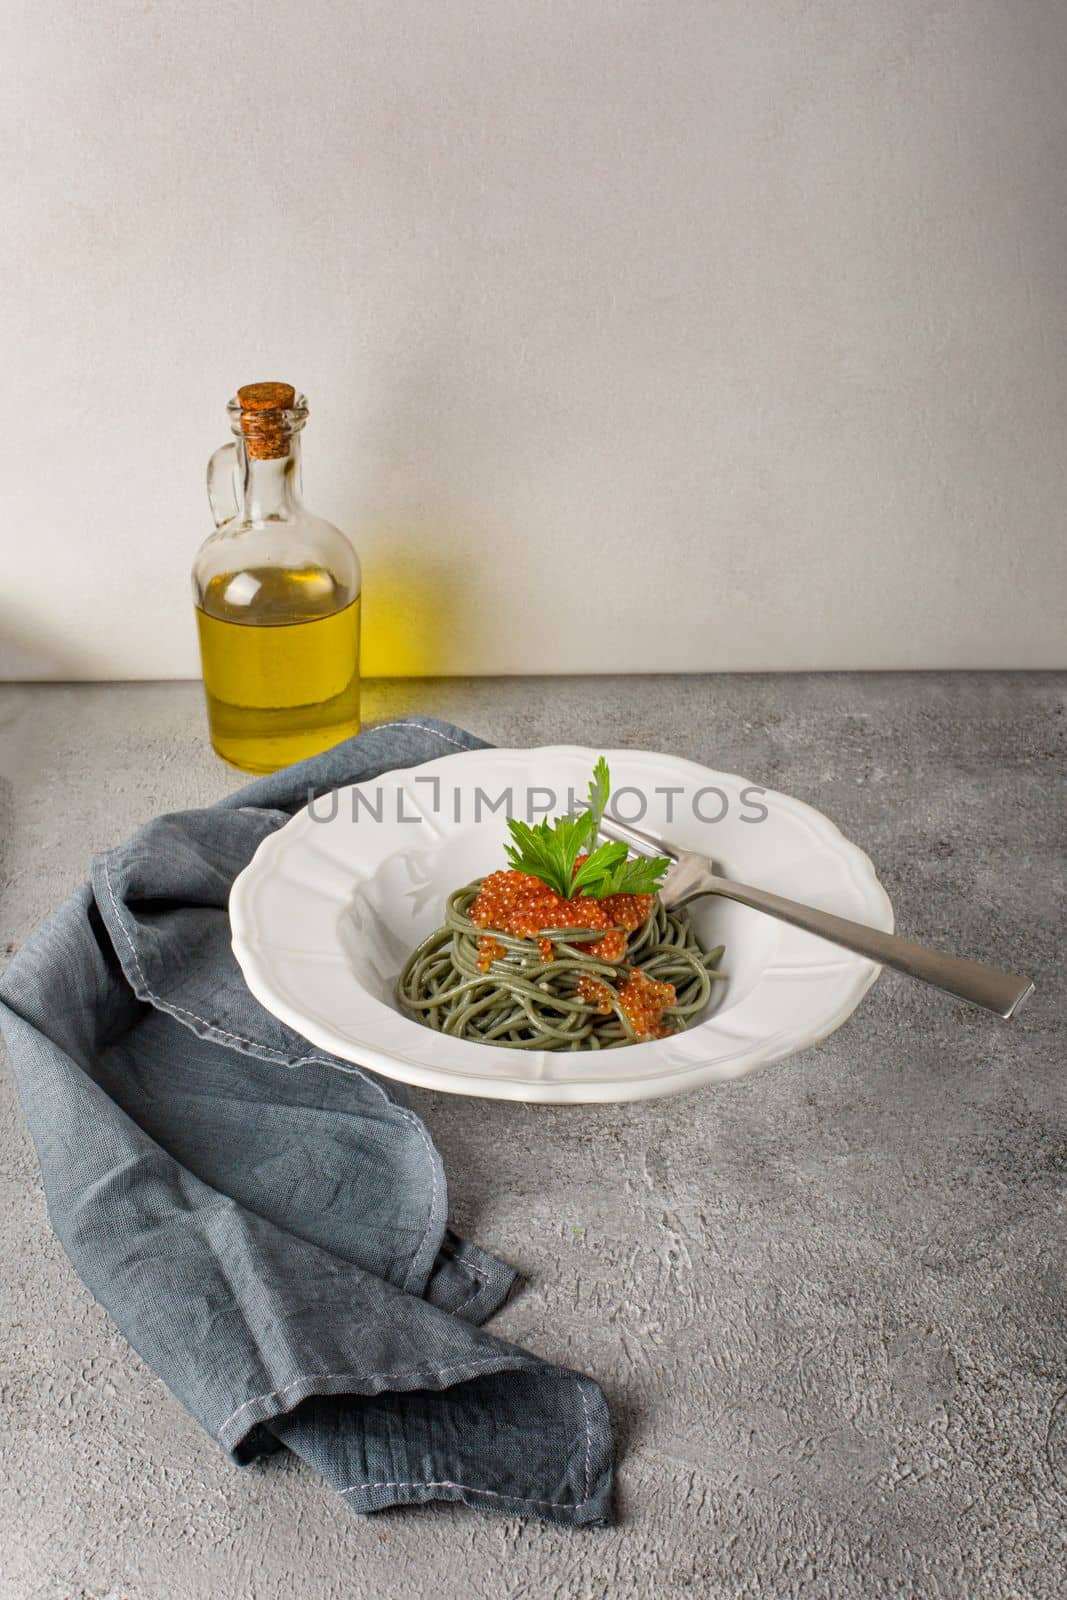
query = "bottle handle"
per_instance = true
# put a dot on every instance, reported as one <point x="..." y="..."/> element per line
<point x="222" y="484"/>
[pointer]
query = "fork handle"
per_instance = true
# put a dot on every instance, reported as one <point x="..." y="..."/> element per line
<point x="1001" y="992"/>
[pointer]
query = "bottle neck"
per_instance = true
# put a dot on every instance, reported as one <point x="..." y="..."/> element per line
<point x="272" y="487"/>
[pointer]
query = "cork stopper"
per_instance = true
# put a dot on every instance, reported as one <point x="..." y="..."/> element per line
<point x="264" y="422"/>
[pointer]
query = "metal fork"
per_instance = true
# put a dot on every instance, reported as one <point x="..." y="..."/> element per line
<point x="691" y="875"/>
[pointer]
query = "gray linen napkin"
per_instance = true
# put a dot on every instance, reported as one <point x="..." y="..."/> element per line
<point x="266" y="1224"/>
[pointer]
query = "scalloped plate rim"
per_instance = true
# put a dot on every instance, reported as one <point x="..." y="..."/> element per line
<point x="253" y="958"/>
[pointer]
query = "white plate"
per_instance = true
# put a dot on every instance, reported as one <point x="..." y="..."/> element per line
<point x="328" y="910"/>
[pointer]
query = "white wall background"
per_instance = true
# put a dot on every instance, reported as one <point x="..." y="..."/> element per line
<point x="666" y="334"/>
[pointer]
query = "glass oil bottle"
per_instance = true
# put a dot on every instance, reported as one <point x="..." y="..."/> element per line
<point x="277" y="596"/>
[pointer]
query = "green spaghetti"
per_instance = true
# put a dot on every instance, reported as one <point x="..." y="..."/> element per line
<point x="572" y="1000"/>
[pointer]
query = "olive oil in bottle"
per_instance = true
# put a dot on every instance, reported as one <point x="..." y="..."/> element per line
<point x="277" y="595"/>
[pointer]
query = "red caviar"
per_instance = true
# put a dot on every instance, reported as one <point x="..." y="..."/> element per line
<point x="644" y="1002"/>
<point x="595" y="993"/>
<point x="489" y="950"/>
<point x="520" y="904"/>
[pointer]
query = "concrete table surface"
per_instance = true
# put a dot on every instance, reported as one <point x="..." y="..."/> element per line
<point x="825" y="1301"/>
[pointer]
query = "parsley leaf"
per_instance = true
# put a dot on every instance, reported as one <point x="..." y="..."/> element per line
<point x="549" y="851"/>
<point x="640" y="876"/>
<point x="599" y="794"/>
<point x="599" y="865"/>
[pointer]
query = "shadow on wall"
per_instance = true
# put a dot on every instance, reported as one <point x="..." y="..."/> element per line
<point x="30" y="649"/>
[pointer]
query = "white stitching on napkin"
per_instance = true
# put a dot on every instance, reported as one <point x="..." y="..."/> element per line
<point x="175" y="1010"/>
<point x="356" y="1378"/>
<point x="475" y="1292"/>
<point x="422" y="729"/>
<point x="588" y="1435"/>
<point x="461" y="1261"/>
<point x="446" y="1483"/>
<point x="469" y="1266"/>
<point x="324" y="1061"/>
<point x="431" y="1155"/>
<point x="387" y="1377"/>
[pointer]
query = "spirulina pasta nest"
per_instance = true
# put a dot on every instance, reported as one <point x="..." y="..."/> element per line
<point x="526" y="1003"/>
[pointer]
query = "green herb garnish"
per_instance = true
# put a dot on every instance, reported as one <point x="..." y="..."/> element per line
<point x="599" y="795"/>
<point x="640" y="875"/>
<point x="549" y="851"/>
